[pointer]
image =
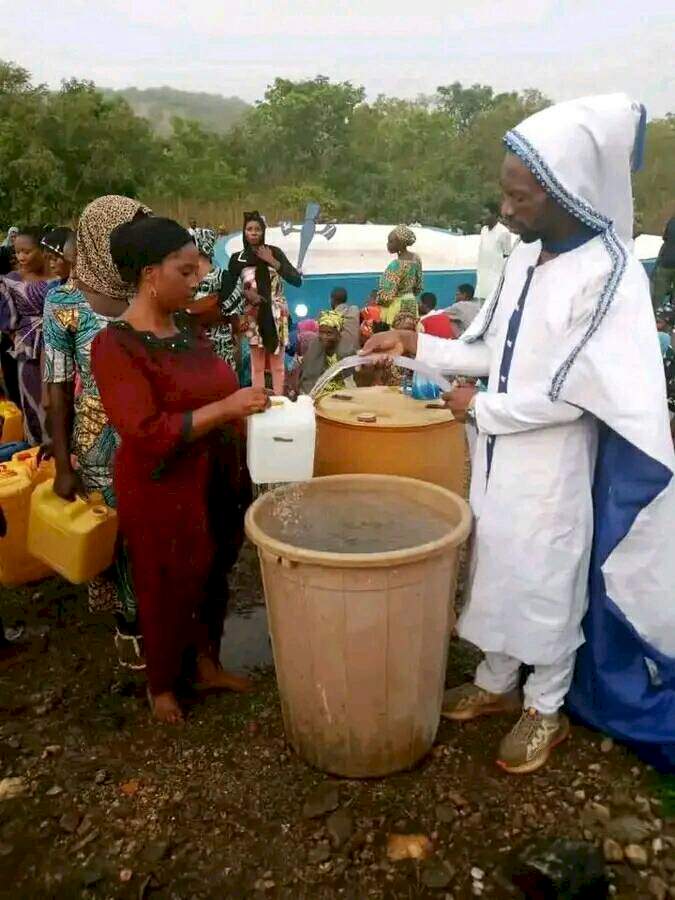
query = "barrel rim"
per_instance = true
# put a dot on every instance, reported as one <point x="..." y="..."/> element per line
<point x="387" y="559"/>
<point x="385" y="429"/>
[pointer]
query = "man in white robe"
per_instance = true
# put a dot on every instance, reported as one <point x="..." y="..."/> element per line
<point x="572" y="484"/>
<point x="493" y="250"/>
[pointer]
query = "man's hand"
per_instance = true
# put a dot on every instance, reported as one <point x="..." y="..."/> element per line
<point x="459" y="400"/>
<point x="68" y="484"/>
<point x="391" y="343"/>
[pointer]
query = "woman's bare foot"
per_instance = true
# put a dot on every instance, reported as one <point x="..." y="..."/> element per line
<point x="211" y="676"/>
<point x="165" y="708"/>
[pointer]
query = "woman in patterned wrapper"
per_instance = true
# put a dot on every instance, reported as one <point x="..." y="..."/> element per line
<point x="401" y="281"/>
<point x="219" y="300"/>
<point x="22" y="300"/>
<point x="74" y="314"/>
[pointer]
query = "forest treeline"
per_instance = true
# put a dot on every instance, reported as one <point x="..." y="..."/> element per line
<point x="433" y="160"/>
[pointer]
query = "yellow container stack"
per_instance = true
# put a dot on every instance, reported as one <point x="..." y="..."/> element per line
<point x="17" y="565"/>
<point x="76" y="539"/>
<point x="44" y="471"/>
<point x="12" y="426"/>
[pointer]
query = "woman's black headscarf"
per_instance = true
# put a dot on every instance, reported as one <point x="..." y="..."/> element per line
<point x="248" y="257"/>
<point x="145" y="242"/>
<point x="56" y="240"/>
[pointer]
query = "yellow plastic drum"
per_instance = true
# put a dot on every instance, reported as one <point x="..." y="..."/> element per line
<point x="45" y="471"/>
<point x="12" y="428"/>
<point x="380" y="431"/>
<point x="76" y="539"/>
<point x="17" y="565"/>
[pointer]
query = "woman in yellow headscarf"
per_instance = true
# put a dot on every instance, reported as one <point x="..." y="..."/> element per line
<point x="321" y="353"/>
<point x="401" y="281"/>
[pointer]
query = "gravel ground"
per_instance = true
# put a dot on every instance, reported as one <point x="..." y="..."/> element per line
<point x="98" y="802"/>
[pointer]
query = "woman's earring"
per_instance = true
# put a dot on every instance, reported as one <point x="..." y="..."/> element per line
<point x="153" y="292"/>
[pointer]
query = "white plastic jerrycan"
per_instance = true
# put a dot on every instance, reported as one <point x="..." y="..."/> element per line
<point x="281" y="442"/>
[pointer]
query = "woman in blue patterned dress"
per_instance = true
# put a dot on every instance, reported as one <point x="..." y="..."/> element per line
<point x="74" y="315"/>
<point x="219" y="299"/>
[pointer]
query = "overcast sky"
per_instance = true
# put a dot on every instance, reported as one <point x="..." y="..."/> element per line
<point x="564" y="48"/>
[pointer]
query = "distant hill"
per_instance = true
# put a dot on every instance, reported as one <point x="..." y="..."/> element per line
<point x="160" y="105"/>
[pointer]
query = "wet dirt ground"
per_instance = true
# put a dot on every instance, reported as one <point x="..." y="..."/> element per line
<point x="107" y="804"/>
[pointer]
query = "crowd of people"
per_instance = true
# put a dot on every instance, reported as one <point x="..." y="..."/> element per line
<point x="125" y="347"/>
<point x="135" y="360"/>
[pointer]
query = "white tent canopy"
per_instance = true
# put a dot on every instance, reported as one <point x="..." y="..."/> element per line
<point x="358" y="249"/>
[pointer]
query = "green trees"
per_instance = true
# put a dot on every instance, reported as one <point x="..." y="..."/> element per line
<point x="429" y="159"/>
<point x="655" y="184"/>
<point x="193" y="165"/>
<point x="298" y="132"/>
<point x="60" y="150"/>
<point x="435" y="159"/>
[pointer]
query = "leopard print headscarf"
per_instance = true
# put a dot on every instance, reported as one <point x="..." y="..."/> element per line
<point x="405" y="236"/>
<point x="94" y="266"/>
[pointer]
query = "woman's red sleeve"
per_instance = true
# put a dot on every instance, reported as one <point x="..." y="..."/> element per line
<point x="129" y="401"/>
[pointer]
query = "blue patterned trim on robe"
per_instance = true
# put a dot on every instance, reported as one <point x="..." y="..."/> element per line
<point x="582" y="210"/>
<point x="574" y="205"/>
<point x="619" y="256"/>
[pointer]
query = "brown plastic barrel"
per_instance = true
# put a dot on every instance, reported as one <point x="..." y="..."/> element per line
<point x="406" y="437"/>
<point x="360" y="640"/>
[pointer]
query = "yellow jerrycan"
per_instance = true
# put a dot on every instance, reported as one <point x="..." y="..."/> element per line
<point x="45" y="471"/>
<point x="17" y="565"/>
<point x="12" y="427"/>
<point x="76" y="539"/>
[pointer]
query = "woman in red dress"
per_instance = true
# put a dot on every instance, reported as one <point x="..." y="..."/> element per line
<point x="176" y="407"/>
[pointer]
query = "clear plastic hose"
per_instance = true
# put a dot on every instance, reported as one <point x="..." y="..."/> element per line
<point x="353" y="362"/>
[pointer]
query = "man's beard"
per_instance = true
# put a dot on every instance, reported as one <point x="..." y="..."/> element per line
<point x="529" y="237"/>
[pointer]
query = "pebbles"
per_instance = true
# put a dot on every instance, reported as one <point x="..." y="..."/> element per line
<point x="69" y="821"/>
<point x="636" y="856"/>
<point x="321" y="800"/>
<point x="408" y="846"/>
<point x="54" y="791"/>
<point x="340" y="826"/>
<point x="446" y="813"/>
<point x="628" y="830"/>
<point x="436" y="874"/>
<point x="218" y="810"/>
<point x="657" y="888"/>
<point x="612" y="851"/>
<point x="12" y="787"/>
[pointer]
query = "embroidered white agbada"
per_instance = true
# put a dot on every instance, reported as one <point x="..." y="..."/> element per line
<point x="572" y="485"/>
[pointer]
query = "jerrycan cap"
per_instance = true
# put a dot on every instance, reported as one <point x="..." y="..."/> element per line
<point x="97" y="504"/>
